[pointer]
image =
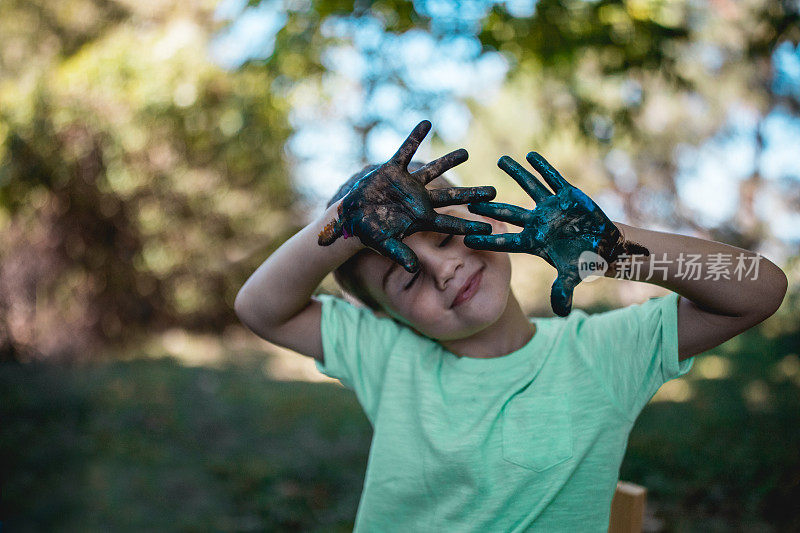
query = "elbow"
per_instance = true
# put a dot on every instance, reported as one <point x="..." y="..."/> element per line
<point x="775" y="288"/>
<point x="245" y="308"/>
<point x="247" y="313"/>
<point x="782" y="285"/>
<point x="256" y="315"/>
<point x="240" y="304"/>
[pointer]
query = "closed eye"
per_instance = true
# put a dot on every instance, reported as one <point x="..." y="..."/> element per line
<point x="415" y="276"/>
<point x="412" y="280"/>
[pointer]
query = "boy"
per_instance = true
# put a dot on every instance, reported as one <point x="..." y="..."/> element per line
<point x="485" y="420"/>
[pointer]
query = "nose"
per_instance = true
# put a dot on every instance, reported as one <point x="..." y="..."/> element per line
<point x="447" y="272"/>
<point x="443" y="266"/>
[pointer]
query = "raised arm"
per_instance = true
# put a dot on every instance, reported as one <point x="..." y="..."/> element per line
<point x="381" y="209"/>
<point x="724" y="290"/>
<point x="275" y="302"/>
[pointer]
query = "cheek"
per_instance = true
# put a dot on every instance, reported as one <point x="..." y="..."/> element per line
<point x="412" y="308"/>
<point x="423" y="308"/>
<point x="498" y="284"/>
<point x="498" y="263"/>
<point x="504" y="269"/>
<point x="424" y="313"/>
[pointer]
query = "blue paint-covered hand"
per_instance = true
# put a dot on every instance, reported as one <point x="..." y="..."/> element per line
<point x="559" y="229"/>
<point x="390" y="203"/>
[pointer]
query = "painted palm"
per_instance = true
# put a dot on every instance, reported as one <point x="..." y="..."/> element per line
<point x="390" y="203"/>
<point x="564" y="224"/>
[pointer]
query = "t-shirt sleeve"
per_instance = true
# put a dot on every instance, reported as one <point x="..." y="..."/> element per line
<point x="634" y="350"/>
<point x="356" y="347"/>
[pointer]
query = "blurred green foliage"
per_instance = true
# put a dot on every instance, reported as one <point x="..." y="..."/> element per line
<point x="150" y="444"/>
<point x="139" y="183"/>
<point x="613" y="88"/>
<point x="617" y="90"/>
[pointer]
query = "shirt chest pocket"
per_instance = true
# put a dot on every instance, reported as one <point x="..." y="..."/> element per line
<point x="537" y="433"/>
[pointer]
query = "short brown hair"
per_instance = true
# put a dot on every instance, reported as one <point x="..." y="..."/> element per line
<point x="346" y="275"/>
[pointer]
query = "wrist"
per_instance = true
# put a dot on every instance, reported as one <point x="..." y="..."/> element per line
<point x="612" y="243"/>
<point x="328" y="219"/>
<point x="614" y="252"/>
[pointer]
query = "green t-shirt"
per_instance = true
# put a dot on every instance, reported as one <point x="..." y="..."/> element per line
<point x="530" y="440"/>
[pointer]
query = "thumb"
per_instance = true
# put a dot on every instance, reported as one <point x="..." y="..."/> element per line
<point x="331" y="232"/>
<point x="561" y="292"/>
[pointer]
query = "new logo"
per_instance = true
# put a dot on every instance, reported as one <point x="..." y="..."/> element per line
<point x="591" y="266"/>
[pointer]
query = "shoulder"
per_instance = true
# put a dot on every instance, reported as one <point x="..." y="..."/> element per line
<point x="341" y="318"/>
<point x="623" y="324"/>
<point x="654" y="308"/>
<point x="358" y="342"/>
<point x="335" y="307"/>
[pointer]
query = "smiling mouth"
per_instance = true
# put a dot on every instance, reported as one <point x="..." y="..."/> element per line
<point x="469" y="288"/>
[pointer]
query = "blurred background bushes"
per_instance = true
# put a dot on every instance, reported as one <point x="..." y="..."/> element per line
<point x="137" y="179"/>
<point x="153" y="153"/>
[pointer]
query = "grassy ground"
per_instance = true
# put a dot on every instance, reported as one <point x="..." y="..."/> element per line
<point x="152" y="444"/>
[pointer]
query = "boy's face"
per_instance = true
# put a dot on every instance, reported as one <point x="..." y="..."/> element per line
<point x="457" y="291"/>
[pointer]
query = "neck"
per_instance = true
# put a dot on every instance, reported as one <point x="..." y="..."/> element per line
<point x="510" y="332"/>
